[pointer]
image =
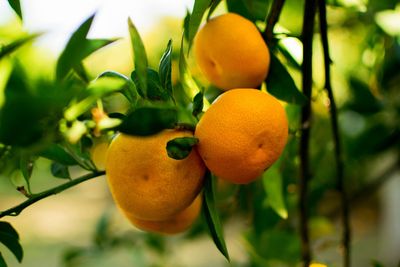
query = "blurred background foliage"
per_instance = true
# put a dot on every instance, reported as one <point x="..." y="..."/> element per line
<point x="81" y="227"/>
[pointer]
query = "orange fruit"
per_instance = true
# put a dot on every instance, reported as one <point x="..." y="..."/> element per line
<point x="178" y="223"/>
<point x="242" y="133"/>
<point x="148" y="184"/>
<point x="231" y="52"/>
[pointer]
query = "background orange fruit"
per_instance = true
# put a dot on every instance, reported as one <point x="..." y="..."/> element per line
<point x="242" y="133"/>
<point x="231" y="52"/>
<point x="148" y="184"/>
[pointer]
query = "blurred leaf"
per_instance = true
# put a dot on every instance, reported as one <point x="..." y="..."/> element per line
<point x="60" y="171"/>
<point x="388" y="20"/>
<point x="129" y="90"/>
<point x="16" y="6"/>
<point x="102" y="227"/>
<point x="362" y="100"/>
<point x="165" y="69"/>
<point x="26" y="167"/>
<point x="211" y="215"/>
<point x="58" y="154"/>
<point x="186" y="21"/>
<point x="180" y="148"/>
<point x="12" y="243"/>
<point x="78" y="48"/>
<point x="272" y="181"/>
<point x="253" y="10"/>
<point x="199" y="8"/>
<point x="11" y="47"/>
<point x="2" y="262"/>
<point x="188" y="83"/>
<point x="140" y="58"/>
<point x="214" y="4"/>
<point x="96" y="90"/>
<point x="6" y="228"/>
<point x="376" y="263"/>
<point x="281" y="85"/>
<point x="155" y="90"/>
<point x="198" y="103"/>
<point x="148" y="120"/>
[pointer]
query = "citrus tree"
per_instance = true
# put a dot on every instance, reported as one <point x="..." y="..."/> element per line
<point x="270" y="112"/>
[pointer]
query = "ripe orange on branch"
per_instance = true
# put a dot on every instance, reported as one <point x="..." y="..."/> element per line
<point x="242" y="133"/>
<point x="145" y="182"/>
<point x="231" y="52"/>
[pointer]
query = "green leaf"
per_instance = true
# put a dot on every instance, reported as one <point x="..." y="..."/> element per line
<point x="211" y="215"/>
<point x="6" y="228"/>
<point x="155" y="90"/>
<point x="78" y="48"/>
<point x="148" y="120"/>
<point x="198" y="103"/>
<point x="58" y="154"/>
<point x="362" y="100"/>
<point x="253" y="10"/>
<point x="9" y="48"/>
<point x="2" y="261"/>
<point x="199" y="8"/>
<point x="180" y="148"/>
<point x="26" y="167"/>
<point x="16" y="6"/>
<point x="376" y="263"/>
<point x="281" y="85"/>
<point x="129" y="90"/>
<point x="214" y="4"/>
<point x="165" y="69"/>
<point x="188" y="83"/>
<point x="12" y="244"/>
<point x="60" y="171"/>
<point x="272" y="181"/>
<point x="140" y="58"/>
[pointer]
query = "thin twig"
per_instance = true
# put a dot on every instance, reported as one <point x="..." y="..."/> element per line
<point x="14" y="211"/>
<point x="346" y="234"/>
<point x="272" y="19"/>
<point x="307" y="38"/>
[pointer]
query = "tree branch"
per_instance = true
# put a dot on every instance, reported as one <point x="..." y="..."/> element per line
<point x="306" y="114"/>
<point x="346" y="234"/>
<point x="272" y="19"/>
<point x="14" y="211"/>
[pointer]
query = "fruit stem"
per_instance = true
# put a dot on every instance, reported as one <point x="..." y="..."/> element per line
<point x="306" y="112"/>
<point x="346" y="234"/>
<point x="272" y="19"/>
<point x="15" y="211"/>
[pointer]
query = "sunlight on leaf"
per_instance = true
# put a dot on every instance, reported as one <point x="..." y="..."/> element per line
<point x="272" y="181"/>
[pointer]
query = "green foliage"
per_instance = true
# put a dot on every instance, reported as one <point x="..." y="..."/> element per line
<point x="252" y="10"/>
<point x="10" y="238"/>
<point x="16" y="6"/>
<point x="199" y="8"/>
<point x="272" y="181"/>
<point x="60" y="171"/>
<point x="180" y="148"/>
<point x="11" y="47"/>
<point x="165" y="69"/>
<point x="281" y="85"/>
<point x="77" y="49"/>
<point x="211" y="215"/>
<point x="140" y="58"/>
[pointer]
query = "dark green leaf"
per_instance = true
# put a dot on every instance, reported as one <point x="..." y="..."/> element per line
<point x="180" y="148"/>
<point x="211" y="215"/>
<point x="129" y="90"/>
<point x="165" y="69"/>
<point x="60" y="171"/>
<point x="239" y="7"/>
<point x="2" y="261"/>
<point x="198" y="103"/>
<point x="186" y="21"/>
<point x="102" y="228"/>
<point x="376" y="264"/>
<point x="281" y="85"/>
<point x="140" y="58"/>
<point x="78" y="48"/>
<point x="12" y="244"/>
<point x="148" y="120"/>
<point x="57" y="153"/>
<point x="16" y="6"/>
<point x="155" y="90"/>
<point x="362" y="100"/>
<point x="188" y="83"/>
<point x="9" y="48"/>
<point x="253" y="10"/>
<point x="6" y="228"/>
<point x="272" y="181"/>
<point x="199" y="8"/>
